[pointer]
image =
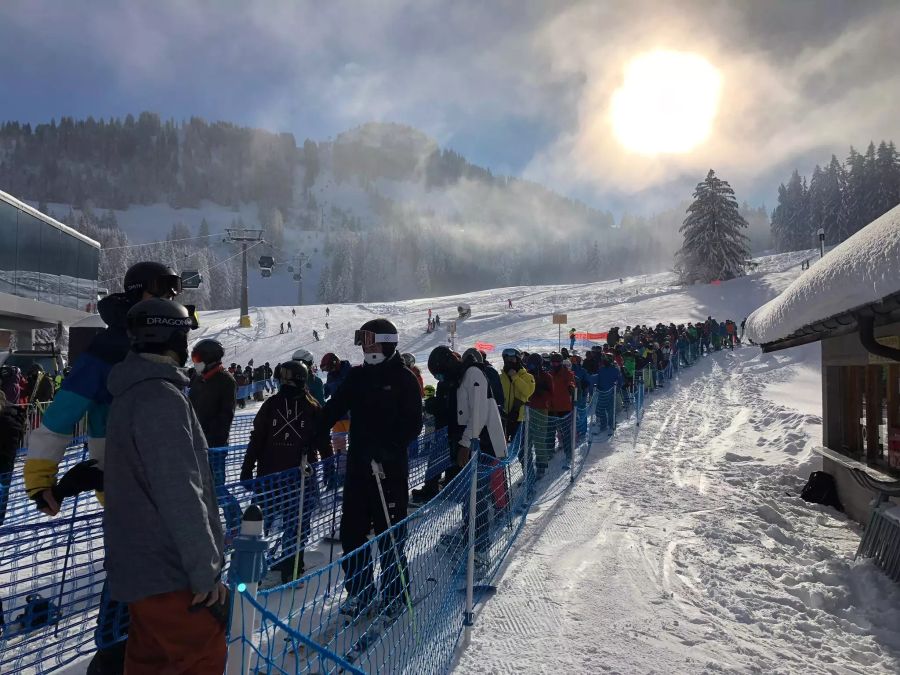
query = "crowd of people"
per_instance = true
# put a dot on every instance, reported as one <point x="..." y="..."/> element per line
<point x="161" y="488"/>
<point x="30" y="387"/>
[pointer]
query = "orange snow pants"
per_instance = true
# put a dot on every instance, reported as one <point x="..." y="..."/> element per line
<point x="164" y="638"/>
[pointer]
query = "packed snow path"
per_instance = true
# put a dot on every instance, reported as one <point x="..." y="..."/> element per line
<point x="686" y="549"/>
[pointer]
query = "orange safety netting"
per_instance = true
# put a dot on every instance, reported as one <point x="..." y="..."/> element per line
<point x="591" y="336"/>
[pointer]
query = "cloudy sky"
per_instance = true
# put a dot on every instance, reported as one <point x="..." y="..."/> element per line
<point x="521" y="86"/>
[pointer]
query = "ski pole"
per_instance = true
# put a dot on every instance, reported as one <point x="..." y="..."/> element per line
<point x="300" y="514"/>
<point x="377" y="471"/>
<point x="336" y="459"/>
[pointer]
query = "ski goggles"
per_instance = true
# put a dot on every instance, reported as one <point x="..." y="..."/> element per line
<point x="167" y="286"/>
<point x="510" y="353"/>
<point x="368" y="338"/>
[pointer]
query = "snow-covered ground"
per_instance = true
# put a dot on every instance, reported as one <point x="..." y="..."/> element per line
<point x="685" y="548"/>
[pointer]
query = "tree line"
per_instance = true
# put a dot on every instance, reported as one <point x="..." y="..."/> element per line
<point x="219" y="267"/>
<point x="118" y="162"/>
<point x="841" y="198"/>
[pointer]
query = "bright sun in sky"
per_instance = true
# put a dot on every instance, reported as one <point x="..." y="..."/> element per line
<point x="667" y="103"/>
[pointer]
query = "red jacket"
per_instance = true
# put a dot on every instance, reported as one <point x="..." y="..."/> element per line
<point x="542" y="397"/>
<point x="563" y="386"/>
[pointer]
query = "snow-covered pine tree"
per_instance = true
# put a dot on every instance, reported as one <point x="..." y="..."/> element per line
<point x="887" y="176"/>
<point x="714" y="245"/>
<point x="824" y="211"/>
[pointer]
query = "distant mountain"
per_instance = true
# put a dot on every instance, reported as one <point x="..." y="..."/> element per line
<point x="394" y="214"/>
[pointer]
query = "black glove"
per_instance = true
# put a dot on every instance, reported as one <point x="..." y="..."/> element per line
<point x="82" y="477"/>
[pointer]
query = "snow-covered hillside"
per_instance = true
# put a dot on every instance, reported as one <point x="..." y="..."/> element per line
<point x="592" y="307"/>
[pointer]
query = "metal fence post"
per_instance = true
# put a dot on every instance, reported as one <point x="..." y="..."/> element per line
<point x="247" y="569"/>
<point x="469" y="619"/>
<point x="574" y="442"/>
<point x="615" y="415"/>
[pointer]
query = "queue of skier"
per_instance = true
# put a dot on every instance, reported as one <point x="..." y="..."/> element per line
<point x="150" y="465"/>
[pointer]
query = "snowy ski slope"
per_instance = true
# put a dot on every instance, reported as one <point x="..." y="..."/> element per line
<point x="590" y="307"/>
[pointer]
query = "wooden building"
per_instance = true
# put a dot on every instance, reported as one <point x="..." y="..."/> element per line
<point x="850" y="302"/>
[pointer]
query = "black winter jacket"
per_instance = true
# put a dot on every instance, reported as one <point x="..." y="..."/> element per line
<point x="385" y="407"/>
<point x="213" y="396"/>
<point x="286" y="426"/>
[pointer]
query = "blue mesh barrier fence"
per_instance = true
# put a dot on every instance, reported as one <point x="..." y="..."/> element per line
<point x="51" y="570"/>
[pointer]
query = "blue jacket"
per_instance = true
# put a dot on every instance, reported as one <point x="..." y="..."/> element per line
<point x="82" y="393"/>
<point x="607" y="377"/>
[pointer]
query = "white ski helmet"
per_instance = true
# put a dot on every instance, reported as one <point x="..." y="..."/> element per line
<point x="305" y="356"/>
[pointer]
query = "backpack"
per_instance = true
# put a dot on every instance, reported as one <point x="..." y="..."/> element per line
<point x="821" y="489"/>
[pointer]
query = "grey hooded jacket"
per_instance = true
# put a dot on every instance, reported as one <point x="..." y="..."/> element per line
<point x="161" y="521"/>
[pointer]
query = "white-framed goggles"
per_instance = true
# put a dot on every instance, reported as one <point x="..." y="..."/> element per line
<point x="367" y="338"/>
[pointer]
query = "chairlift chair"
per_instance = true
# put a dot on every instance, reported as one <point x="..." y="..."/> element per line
<point x="191" y="279"/>
<point x="266" y="272"/>
<point x="297" y="277"/>
<point x="266" y="262"/>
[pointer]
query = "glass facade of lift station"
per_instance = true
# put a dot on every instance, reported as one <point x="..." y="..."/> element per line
<point x="41" y="259"/>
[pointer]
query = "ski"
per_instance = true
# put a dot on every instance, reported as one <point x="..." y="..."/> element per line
<point x="374" y="631"/>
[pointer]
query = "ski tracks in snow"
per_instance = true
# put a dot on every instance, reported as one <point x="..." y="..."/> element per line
<point x="690" y="551"/>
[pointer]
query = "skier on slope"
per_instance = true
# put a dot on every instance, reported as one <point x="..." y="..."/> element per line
<point x="541" y="433"/>
<point x="518" y="386"/>
<point x="474" y="417"/>
<point x="313" y="383"/>
<point x="336" y="372"/>
<point x="281" y="330"/>
<point x="410" y="362"/>
<point x="214" y="398"/>
<point x="284" y="430"/>
<point x="163" y="538"/>
<point x="84" y="392"/>
<point x="383" y="399"/>
<point x="562" y="402"/>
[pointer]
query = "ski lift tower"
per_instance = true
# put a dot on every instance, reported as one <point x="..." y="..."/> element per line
<point x="301" y="259"/>
<point x="244" y="237"/>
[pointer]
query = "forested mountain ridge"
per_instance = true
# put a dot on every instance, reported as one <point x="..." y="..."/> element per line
<point x="397" y="216"/>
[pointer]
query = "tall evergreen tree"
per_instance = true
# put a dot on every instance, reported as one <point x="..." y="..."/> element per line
<point x="203" y="233"/>
<point x="887" y="179"/>
<point x="715" y="247"/>
<point x="853" y="199"/>
<point x="870" y="186"/>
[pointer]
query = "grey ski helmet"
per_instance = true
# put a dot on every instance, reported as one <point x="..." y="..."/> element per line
<point x="157" y="325"/>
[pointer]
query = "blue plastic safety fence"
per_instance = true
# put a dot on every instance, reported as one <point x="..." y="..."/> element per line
<point x="51" y="570"/>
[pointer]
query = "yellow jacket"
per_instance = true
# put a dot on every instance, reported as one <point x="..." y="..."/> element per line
<point x="516" y="391"/>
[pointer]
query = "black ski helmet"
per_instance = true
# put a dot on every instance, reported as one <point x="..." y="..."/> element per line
<point x="155" y="278"/>
<point x="208" y="351"/>
<point x="293" y="374"/>
<point x="157" y="325"/>
<point x="443" y="362"/>
<point x="378" y="331"/>
<point x="472" y="355"/>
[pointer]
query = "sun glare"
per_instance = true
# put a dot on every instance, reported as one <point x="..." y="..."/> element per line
<point x="666" y="104"/>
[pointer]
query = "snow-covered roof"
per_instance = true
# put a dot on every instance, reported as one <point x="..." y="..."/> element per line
<point x="860" y="271"/>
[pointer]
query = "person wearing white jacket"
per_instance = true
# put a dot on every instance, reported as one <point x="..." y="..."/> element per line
<point x="476" y="418"/>
<point x="476" y="411"/>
